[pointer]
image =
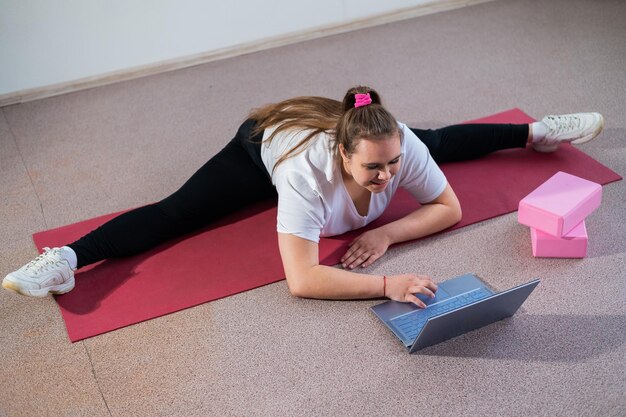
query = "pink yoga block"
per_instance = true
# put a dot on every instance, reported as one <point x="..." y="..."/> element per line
<point x="559" y="204"/>
<point x="572" y="245"/>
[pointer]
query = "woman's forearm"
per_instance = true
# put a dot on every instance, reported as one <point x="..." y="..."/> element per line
<point x="326" y="282"/>
<point x="430" y="218"/>
<point x="426" y="220"/>
<point x="308" y="279"/>
<point x="329" y="283"/>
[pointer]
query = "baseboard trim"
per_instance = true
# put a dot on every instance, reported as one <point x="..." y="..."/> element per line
<point x="23" y="96"/>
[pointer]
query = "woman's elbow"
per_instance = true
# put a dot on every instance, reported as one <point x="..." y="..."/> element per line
<point x="457" y="214"/>
<point x="297" y="286"/>
<point x="295" y="290"/>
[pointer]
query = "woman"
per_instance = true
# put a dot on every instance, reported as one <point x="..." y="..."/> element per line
<point x="335" y="167"/>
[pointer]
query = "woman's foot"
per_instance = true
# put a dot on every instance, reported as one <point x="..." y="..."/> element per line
<point x="576" y="128"/>
<point x="50" y="272"/>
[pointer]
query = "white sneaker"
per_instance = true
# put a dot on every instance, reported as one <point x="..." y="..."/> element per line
<point x="576" y="128"/>
<point x="50" y="272"/>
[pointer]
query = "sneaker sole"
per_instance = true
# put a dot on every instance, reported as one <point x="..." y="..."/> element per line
<point x="59" y="289"/>
<point x="592" y="135"/>
<point x="545" y="149"/>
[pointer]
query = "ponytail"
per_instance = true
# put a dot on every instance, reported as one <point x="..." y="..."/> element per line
<point x="363" y="121"/>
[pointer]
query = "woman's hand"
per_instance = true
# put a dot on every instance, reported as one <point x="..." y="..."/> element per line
<point x="431" y="217"/>
<point x="403" y="287"/>
<point x="366" y="249"/>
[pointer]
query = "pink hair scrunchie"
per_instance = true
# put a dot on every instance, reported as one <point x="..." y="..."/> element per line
<point x="361" y="100"/>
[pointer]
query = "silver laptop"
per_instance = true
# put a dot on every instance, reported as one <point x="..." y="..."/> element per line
<point x="460" y="305"/>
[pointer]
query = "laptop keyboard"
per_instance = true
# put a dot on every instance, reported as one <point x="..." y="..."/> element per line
<point x="410" y="324"/>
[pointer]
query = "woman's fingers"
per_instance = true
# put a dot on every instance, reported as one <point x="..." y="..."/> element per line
<point x="422" y="290"/>
<point x="425" y="281"/>
<point x="403" y="288"/>
<point x="356" y="259"/>
<point x="413" y="299"/>
<point x="352" y="253"/>
<point x="364" y="260"/>
<point x="372" y="258"/>
<point x="355" y="256"/>
<point x="348" y="254"/>
<point x="364" y="250"/>
<point x="421" y="284"/>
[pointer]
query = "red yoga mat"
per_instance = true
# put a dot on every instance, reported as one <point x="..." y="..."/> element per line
<point x="241" y="252"/>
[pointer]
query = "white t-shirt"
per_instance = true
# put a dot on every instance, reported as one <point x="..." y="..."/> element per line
<point x="312" y="198"/>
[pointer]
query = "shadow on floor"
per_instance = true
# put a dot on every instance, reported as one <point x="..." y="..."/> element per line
<point x="546" y="338"/>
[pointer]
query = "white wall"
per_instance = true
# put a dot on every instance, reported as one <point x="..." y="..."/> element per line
<point x="47" y="42"/>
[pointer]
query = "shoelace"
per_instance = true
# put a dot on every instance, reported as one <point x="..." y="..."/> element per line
<point x="560" y="124"/>
<point x="44" y="260"/>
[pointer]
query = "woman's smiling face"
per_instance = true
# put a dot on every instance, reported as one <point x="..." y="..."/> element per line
<point x="374" y="162"/>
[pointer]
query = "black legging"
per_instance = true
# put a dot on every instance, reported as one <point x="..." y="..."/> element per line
<point x="236" y="178"/>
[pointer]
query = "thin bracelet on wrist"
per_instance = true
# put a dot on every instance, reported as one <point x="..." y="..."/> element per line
<point x="384" y="285"/>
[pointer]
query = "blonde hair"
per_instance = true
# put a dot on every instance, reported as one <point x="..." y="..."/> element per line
<point x="347" y="124"/>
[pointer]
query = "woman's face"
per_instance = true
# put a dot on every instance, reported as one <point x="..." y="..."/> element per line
<point x="374" y="162"/>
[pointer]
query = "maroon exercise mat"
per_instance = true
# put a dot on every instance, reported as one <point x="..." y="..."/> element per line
<point x="241" y="252"/>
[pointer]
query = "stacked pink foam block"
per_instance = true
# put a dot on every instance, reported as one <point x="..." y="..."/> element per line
<point x="556" y="212"/>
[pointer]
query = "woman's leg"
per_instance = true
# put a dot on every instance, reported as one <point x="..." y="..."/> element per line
<point x="471" y="141"/>
<point x="229" y="181"/>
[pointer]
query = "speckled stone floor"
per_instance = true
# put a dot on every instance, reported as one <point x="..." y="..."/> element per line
<point x="265" y="353"/>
